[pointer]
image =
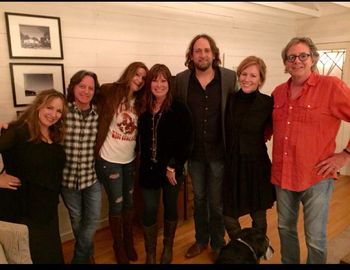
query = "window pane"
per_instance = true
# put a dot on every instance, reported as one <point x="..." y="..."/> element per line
<point x="331" y="62"/>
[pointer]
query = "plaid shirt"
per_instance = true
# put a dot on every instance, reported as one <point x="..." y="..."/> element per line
<point x="79" y="143"/>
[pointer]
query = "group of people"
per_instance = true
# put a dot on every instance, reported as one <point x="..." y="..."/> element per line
<point x="149" y="125"/>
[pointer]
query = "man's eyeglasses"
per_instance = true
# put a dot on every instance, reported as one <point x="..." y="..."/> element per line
<point x="302" y="57"/>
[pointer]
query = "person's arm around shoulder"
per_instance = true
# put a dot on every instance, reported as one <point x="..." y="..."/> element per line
<point x="9" y="181"/>
<point x="184" y="140"/>
<point x="268" y="128"/>
<point x="7" y="140"/>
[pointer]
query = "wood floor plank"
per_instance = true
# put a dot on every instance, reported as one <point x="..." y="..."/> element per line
<point x="339" y="219"/>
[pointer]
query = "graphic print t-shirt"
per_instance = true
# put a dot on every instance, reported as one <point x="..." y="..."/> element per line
<point x="119" y="146"/>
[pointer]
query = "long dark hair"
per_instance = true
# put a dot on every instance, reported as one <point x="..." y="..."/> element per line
<point x="154" y="72"/>
<point x="123" y="87"/>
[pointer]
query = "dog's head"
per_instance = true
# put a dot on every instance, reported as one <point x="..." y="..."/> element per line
<point x="250" y="246"/>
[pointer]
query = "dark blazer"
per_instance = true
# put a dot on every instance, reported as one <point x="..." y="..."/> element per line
<point x="174" y="142"/>
<point x="228" y="85"/>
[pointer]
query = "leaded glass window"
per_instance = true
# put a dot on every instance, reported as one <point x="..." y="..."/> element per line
<point x="331" y="62"/>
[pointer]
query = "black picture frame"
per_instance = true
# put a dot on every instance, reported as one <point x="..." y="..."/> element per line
<point x="28" y="79"/>
<point x="34" y="36"/>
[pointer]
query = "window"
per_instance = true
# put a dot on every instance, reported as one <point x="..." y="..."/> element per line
<point x="332" y="62"/>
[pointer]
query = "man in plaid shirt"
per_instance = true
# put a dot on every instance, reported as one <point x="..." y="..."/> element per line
<point x="81" y="190"/>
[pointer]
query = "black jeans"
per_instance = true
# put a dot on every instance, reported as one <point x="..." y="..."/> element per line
<point x="151" y="198"/>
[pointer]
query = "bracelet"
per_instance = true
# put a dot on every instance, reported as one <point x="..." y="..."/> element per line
<point x="170" y="169"/>
<point x="346" y="151"/>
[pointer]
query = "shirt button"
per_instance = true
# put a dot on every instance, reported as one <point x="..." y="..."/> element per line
<point x="286" y="138"/>
<point x="206" y="108"/>
<point x="204" y="132"/>
<point x="285" y="153"/>
<point x="309" y="106"/>
<point x="206" y="97"/>
<point x="288" y="123"/>
<point x="290" y="107"/>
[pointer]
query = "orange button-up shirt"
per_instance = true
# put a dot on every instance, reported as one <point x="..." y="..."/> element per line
<point x="305" y="128"/>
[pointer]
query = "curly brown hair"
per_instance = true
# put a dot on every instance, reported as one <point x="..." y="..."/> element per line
<point x="216" y="52"/>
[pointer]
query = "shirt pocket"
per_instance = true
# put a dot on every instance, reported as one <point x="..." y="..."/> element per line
<point x="306" y="113"/>
<point x="279" y="113"/>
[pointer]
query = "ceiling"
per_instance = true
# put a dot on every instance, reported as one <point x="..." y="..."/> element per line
<point x="308" y="9"/>
<point x="294" y="10"/>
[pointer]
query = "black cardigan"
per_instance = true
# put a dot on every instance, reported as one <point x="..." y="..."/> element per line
<point x="174" y="144"/>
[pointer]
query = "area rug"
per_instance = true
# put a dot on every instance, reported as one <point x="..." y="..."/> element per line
<point x="339" y="246"/>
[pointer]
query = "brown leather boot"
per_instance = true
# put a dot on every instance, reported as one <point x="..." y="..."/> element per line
<point x="128" y="236"/>
<point x="116" y="226"/>
<point x="168" y="241"/>
<point x="150" y="235"/>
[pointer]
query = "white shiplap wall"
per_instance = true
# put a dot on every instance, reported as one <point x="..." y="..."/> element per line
<point x="106" y="37"/>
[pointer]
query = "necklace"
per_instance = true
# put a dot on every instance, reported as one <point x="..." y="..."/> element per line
<point x="46" y="138"/>
<point x="157" y="106"/>
<point x="155" y="122"/>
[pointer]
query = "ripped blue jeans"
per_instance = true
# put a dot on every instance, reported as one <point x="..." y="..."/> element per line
<point x="118" y="181"/>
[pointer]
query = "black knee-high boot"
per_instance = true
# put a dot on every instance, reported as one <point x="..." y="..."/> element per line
<point x="168" y="241"/>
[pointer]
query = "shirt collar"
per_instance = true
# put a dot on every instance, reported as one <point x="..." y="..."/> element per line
<point x="74" y="106"/>
<point x="311" y="81"/>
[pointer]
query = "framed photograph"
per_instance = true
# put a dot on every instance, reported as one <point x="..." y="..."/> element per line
<point x="29" y="79"/>
<point x="34" y="36"/>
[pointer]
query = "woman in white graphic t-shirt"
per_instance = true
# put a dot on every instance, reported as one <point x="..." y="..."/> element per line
<point x="119" y="106"/>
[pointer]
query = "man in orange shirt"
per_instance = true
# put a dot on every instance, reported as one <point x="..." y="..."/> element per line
<point x="308" y="109"/>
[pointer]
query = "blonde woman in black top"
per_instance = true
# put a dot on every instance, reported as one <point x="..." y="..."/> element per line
<point x="247" y="187"/>
<point x="32" y="153"/>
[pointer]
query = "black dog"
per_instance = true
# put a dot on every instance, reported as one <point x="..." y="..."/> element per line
<point x="250" y="246"/>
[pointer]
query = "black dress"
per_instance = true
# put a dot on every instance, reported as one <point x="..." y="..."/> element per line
<point x="39" y="166"/>
<point x="247" y="183"/>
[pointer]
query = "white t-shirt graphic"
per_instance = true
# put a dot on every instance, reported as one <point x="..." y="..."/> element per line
<point x="119" y="146"/>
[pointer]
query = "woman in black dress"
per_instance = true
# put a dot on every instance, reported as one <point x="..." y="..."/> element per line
<point x="33" y="165"/>
<point x="247" y="187"/>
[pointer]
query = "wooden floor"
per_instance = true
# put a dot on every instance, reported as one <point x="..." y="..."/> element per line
<point x="339" y="219"/>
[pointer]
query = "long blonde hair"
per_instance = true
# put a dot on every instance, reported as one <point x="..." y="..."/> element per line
<point x="31" y="117"/>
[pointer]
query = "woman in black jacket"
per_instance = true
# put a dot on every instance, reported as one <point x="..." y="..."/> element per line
<point x="165" y="139"/>
<point x="247" y="184"/>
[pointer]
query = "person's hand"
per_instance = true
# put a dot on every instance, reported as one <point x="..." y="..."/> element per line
<point x="170" y="174"/>
<point x="9" y="181"/>
<point x="331" y="165"/>
<point x="4" y="125"/>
